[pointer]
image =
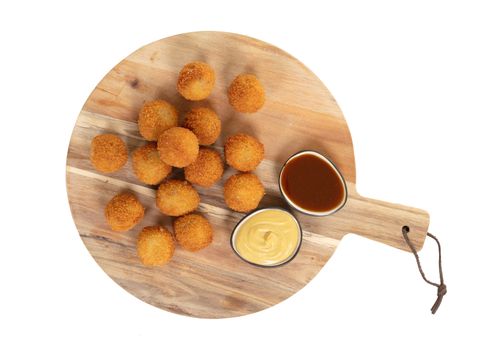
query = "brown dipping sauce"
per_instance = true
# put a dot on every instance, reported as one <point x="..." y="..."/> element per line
<point x="312" y="184"/>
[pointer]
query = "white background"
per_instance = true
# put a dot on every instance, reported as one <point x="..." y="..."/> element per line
<point x="416" y="83"/>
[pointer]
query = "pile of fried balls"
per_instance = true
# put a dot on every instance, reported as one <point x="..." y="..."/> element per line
<point x="171" y="145"/>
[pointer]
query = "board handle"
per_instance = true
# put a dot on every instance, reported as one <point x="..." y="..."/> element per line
<point x="383" y="221"/>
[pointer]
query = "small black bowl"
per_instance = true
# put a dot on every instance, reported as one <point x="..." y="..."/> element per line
<point x="300" y="209"/>
<point x="254" y="212"/>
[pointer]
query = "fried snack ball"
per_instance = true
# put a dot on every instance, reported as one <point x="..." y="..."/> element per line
<point x="243" y="152"/>
<point x="178" y="147"/>
<point x="155" y="246"/>
<point x="176" y="198"/>
<point x="108" y="153"/>
<point x="243" y="192"/>
<point x="246" y="94"/>
<point x="196" y="80"/>
<point x="206" y="169"/>
<point x="204" y="123"/>
<point x="155" y="117"/>
<point x="193" y="232"/>
<point x="123" y="212"/>
<point x="147" y="165"/>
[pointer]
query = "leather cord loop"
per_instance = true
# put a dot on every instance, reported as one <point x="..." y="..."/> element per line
<point x="441" y="287"/>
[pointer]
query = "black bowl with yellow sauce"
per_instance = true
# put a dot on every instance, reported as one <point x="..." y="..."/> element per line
<point x="267" y="237"/>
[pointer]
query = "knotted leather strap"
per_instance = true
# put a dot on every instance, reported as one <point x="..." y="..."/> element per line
<point x="441" y="287"/>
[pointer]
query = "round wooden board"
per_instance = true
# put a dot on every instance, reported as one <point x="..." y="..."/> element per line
<point x="299" y="113"/>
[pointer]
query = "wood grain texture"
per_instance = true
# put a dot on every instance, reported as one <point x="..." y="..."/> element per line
<point x="299" y="113"/>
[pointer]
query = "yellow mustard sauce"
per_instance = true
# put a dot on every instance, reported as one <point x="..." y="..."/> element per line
<point x="269" y="237"/>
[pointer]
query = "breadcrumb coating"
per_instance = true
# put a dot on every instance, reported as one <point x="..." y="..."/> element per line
<point x="147" y="165"/>
<point x="196" y="81"/>
<point x="123" y="212"/>
<point x="193" y="232"/>
<point x="243" y="152"/>
<point x="176" y="198"/>
<point x="155" y="246"/>
<point x="204" y="123"/>
<point x="178" y="147"/>
<point x="108" y="153"/>
<point x="206" y="169"/>
<point x="246" y="94"/>
<point x="243" y="192"/>
<point x="155" y="117"/>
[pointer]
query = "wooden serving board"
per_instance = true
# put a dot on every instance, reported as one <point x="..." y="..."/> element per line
<point x="300" y="113"/>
